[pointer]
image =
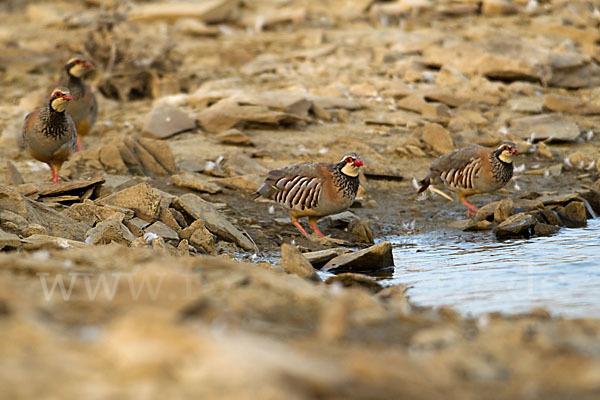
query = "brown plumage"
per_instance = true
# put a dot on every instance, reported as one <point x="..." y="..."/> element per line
<point x="313" y="190"/>
<point x="84" y="107"/>
<point x="472" y="170"/>
<point x="49" y="132"/>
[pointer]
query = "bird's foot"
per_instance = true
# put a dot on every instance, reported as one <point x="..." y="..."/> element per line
<point x="300" y="228"/>
<point x="312" y="225"/>
<point x="54" y="175"/>
<point x="470" y="213"/>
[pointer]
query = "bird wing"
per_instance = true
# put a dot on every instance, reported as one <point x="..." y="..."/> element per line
<point x="29" y="119"/>
<point x="296" y="186"/>
<point x="73" y="142"/>
<point x="456" y="159"/>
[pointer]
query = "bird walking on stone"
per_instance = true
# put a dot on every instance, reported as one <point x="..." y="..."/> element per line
<point x="471" y="170"/>
<point x="314" y="190"/>
<point x="84" y="107"/>
<point x="49" y="132"/>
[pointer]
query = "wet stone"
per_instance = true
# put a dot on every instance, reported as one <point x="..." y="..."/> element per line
<point x="550" y="216"/>
<point x="370" y="259"/>
<point x="503" y="210"/>
<point x="518" y="225"/>
<point x="483" y="225"/>
<point x="320" y="257"/>
<point x="487" y="211"/>
<point x="573" y="215"/>
<point x="541" y="229"/>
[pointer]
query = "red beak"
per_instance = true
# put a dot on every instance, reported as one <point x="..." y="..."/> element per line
<point x="88" y="64"/>
<point x="514" y="151"/>
<point x="358" y="163"/>
<point x="68" y="97"/>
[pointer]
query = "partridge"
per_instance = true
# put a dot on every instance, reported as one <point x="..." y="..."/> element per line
<point x="313" y="190"/>
<point x="472" y="170"/>
<point x="84" y="107"/>
<point x="50" y="132"/>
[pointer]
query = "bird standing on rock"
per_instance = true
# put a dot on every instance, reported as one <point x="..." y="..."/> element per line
<point x="84" y="107"/>
<point x="50" y="132"/>
<point x="472" y="170"/>
<point x="314" y="190"/>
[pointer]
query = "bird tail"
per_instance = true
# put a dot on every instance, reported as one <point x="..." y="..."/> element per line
<point x="265" y="191"/>
<point x="424" y="184"/>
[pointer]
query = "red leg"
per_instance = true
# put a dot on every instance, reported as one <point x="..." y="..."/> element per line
<point x="78" y="144"/>
<point x="297" y="225"/>
<point x="470" y="206"/>
<point x="312" y="223"/>
<point x="54" y="175"/>
<point x="470" y="212"/>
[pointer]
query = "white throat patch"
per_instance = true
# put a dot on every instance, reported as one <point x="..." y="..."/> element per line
<point x="350" y="170"/>
<point x="506" y="157"/>
<point x="59" y="105"/>
<point x="77" y="70"/>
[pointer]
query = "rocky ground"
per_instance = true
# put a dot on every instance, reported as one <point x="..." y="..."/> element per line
<point x="197" y="101"/>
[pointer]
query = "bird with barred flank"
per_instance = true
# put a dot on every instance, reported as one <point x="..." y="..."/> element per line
<point x="84" y="107"/>
<point x="472" y="170"/>
<point x="49" y="132"/>
<point x="313" y="189"/>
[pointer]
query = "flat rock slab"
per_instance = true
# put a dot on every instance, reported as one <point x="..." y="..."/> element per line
<point x="211" y="11"/>
<point x="70" y="187"/>
<point x="163" y="230"/>
<point x="165" y="120"/>
<point x="195" y="182"/>
<point x="321" y="257"/>
<point x="551" y="127"/>
<point x="518" y="225"/>
<point x="140" y="198"/>
<point x="370" y="259"/>
<point x="46" y="242"/>
<point x="234" y="137"/>
<point x="111" y="230"/>
<point x="216" y="223"/>
<point x="9" y="240"/>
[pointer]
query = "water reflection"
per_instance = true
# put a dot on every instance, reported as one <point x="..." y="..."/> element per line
<point x="474" y="273"/>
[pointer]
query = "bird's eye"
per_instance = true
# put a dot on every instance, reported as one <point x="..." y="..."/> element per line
<point x="58" y="94"/>
<point x="349" y="159"/>
<point x="78" y="61"/>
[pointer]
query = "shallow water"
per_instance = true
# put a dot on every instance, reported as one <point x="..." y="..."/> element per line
<point x="475" y="273"/>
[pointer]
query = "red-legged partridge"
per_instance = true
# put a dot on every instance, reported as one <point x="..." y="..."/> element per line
<point x="49" y="132"/>
<point x="472" y="170"/>
<point x="314" y="190"/>
<point x="84" y="107"/>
